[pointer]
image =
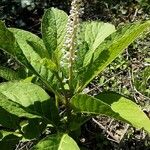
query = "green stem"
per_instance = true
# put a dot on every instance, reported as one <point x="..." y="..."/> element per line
<point x="57" y="101"/>
<point x="68" y="111"/>
<point x="59" y="96"/>
<point x="60" y="81"/>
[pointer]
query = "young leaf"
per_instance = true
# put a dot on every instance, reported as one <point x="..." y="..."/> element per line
<point x="106" y="52"/>
<point x="57" y="142"/>
<point x="113" y="105"/>
<point x="53" y="29"/>
<point x="49" y="64"/>
<point x="32" y="97"/>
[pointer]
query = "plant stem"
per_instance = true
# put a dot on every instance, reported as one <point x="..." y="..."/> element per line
<point x="60" y="81"/>
<point x="59" y="96"/>
<point x="68" y="111"/>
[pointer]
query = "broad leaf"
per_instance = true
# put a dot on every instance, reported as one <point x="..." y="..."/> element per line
<point x="9" y="74"/>
<point x="94" y="33"/>
<point x="77" y="121"/>
<point x="53" y="29"/>
<point x="87" y="104"/>
<point x="32" y="97"/>
<point x="9" y="140"/>
<point x="38" y="67"/>
<point x="57" y="142"/>
<point x="106" y="52"/>
<point x="11" y="112"/>
<point x="7" y="40"/>
<point x="113" y="105"/>
<point x="26" y="40"/>
<point x="81" y="53"/>
<point x="32" y="129"/>
<point x="38" y="47"/>
<point x="8" y="43"/>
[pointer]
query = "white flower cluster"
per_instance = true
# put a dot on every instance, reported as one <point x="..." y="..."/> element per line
<point x="73" y="22"/>
<point x="72" y="25"/>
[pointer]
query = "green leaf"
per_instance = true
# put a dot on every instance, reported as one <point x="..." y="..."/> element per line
<point x="9" y="140"/>
<point x="39" y="48"/>
<point x="77" y="121"/>
<point x="53" y="29"/>
<point x="113" y="105"/>
<point x="94" y="33"/>
<point x="142" y="85"/>
<point x="8" y="43"/>
<point x="87" y="104"/>
<point x="33" y="128"/>
<point x="32" y="97"/>
<point x="26" y="40"/>
<point x="107" y="51"/>
<point x="4" y="133"/>
<point x="7" y="39"/>
<point x="9" y="74"/>
<point x="81" y="52"/>
<point x="11" y="112"/>
<point x="49" y="64"/>
<point x="57" y="142"/>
